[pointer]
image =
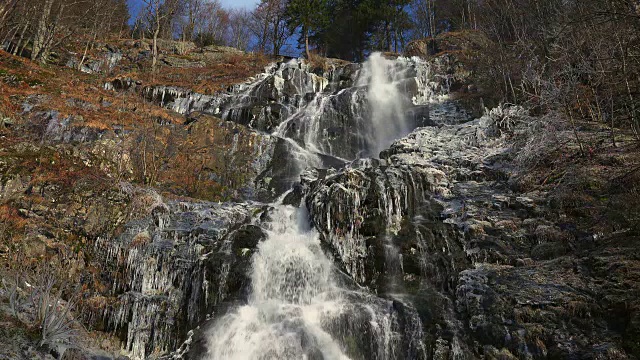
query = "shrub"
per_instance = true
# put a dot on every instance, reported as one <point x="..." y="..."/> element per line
<point x="35" y="303"/>
<point x="53" y="318"/>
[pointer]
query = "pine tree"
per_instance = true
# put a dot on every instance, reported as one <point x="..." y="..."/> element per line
<point x="308" y="15"/>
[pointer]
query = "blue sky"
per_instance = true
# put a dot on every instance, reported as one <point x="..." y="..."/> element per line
<point x="134" y="5"/>
<point x="239" y="3"/>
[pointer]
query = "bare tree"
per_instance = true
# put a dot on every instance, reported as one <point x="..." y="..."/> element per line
<point x="46" y="24"/>
<point x="192" y="13"/>
<point x="424" y="22"/>
<point x="268" y="24"/>
<point x="215" y="23"/>
<point x="158" y="13"/>
<point x="6" y="8"/>
<point x="42" y="28"/>
<point x="239" y="31"/>
<point x="97" y="24"/>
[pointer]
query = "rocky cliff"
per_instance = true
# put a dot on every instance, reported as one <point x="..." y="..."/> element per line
<point x="478" y="234"/>
<point x="494" y="272"/>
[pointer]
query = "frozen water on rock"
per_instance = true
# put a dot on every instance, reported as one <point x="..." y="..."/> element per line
<point x="384" y="103"/>
<point x="348" y="112"/>
<point x="293" y="293"/>
<point x="300" y="305"/>
<point x="297" y="308"/>
<point x="160" y="268"/>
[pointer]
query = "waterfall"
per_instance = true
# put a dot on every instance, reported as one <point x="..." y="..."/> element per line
<point x="300" y="305"/>
<point x="349" y="112"/>
<point x="293" y="295"/>
<point x="383" y="104"/>
<point x="298" y="309"/>
<point x="387" y="102"/>
<point x="268" y="284"/>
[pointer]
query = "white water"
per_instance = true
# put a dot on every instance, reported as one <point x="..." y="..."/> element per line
<point x="387" y="102"/>
<point x="296" y="309"/>
<point x="376" y="105"/>
<point x="293" y="294"/>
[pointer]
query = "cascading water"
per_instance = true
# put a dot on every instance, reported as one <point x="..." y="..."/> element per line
<point x="293" y="295"/>
<point x="301" y="306"/>
<point x="361" y="120"/>
<point x="388" y="103"/>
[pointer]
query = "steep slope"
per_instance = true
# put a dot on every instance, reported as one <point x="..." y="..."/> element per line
<point x="489" y="238"/>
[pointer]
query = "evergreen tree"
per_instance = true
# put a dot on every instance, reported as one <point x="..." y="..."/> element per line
<point x="310" y="16"/>
<point x="349" y="29"/>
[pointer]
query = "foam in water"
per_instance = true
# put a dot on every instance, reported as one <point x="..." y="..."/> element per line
<point x="293" y="293"/>
<point x="373" y="112"/>
<point x="297" y="309"/>
<point x="387" y="102"/>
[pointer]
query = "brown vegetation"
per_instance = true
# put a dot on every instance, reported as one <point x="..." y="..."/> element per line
<point x="62" y="88"/>
<point x="214" y="77"/>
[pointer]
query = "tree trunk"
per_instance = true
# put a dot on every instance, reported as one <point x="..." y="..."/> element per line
<point x="86" y="49"/>
<point x="306" y="43"/>
<point x="156" y="32"/>
<point x="265" y="34"/>
<point x="20" y="39"/>
<point x="432" y="22"/>
<point x="388" y="36"/>
<point x="5" y="9"/>
<point x="50" y="35"/>
<point x="40" y="37"/>
<point x="10" y="35"/>
<point x="575" y="129"/>
<point x="154" y="61"/>
<point x="276" y="36"/>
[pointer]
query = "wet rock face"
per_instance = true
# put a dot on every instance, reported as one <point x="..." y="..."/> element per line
<point x="260" y="103"/>
<point x="327" y="112"/>
<point x="490" y="271"/>
<point x="169" y="270"/>
<point x="550" y="310"/>
<point x="105" y="63"/>
<point x="413" y="183"/>
<point x="367" y="207"/>
<point x="230" y="155"/>
<point x="280" y="173"/>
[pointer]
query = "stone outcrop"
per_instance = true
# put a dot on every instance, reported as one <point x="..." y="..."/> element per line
<point x="205" y="151"/>
<point x="491" y="271"/>
<point x="168" y="271"/>
<point x="103" y="64"/>
<point x="260" y="103"/>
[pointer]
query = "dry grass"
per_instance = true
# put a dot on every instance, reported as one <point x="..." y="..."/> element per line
<point x="71" y="93"/>
<point x="598" y="185"/>
<point x="12" y="227"/>
<point x="216" y="76"/>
